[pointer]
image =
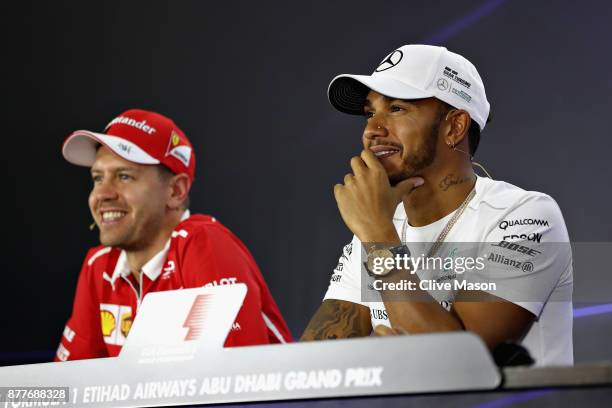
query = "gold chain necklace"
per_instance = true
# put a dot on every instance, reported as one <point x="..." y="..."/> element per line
<point x="449" y="225"/>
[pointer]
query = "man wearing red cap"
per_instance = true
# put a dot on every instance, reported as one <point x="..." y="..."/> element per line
<point x="142" y="168"/>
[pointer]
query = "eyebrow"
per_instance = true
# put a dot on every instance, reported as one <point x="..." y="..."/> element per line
<point x="368" y="103"/>
<point x="116" y="169"/>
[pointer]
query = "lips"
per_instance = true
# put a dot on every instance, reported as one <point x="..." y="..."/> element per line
<point x="384" y="151"/>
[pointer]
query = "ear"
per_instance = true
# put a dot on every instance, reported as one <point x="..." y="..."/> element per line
<point x="179" y="191"/>
<point x="458" y="125"/>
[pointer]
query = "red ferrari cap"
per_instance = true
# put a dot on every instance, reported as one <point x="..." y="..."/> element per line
<point x="138" y="136"/>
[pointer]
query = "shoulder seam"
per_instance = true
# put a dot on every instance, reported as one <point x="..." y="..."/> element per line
<point x="98" y="254"/>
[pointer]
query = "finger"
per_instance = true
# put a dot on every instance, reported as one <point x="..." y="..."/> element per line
<point x="337" y="190"/>
<point x="404" y="187"/>
<point x="358" y="165"/>
<point x="349" y="178"/>
<point x="370" y="159"/>
<point x="382" y="330"/>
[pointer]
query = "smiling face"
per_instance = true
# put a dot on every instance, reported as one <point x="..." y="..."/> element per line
<point x="128" y="201"/>
<point x="402" y="134"/>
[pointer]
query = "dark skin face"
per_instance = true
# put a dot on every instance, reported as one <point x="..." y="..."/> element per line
<point x="406" y="141"/>
<point x="403" y="134"/>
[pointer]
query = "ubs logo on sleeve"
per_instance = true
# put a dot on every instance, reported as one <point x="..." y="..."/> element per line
<point x="379" y="314"/>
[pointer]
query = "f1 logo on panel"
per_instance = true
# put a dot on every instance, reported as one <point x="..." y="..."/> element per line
<point x="196" y="319"/>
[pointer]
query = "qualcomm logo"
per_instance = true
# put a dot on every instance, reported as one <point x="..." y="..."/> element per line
<point x="390" y="61"/>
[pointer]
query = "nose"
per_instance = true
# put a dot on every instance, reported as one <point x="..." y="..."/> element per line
<point x="104" y="190"/>
<point x="375" y="128"/>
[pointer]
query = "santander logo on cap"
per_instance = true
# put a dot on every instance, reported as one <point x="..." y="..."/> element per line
<point x="132" y="122"/>
<point x="139" y="136"/>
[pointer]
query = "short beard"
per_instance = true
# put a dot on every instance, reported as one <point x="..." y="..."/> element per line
<point x="423" y="157"/>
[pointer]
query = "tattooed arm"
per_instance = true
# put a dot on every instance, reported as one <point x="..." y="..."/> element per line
<point x="338" y="319"/>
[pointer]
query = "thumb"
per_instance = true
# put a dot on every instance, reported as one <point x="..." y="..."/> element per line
<point x="404" y="187"/>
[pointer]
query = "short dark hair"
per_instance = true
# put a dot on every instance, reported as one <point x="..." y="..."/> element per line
<point x="163" y="172"/>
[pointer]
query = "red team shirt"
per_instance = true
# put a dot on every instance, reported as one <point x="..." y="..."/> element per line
<point x="200" y="252"/>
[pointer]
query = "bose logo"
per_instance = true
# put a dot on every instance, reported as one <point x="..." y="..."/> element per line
<point x="142" y="125"/>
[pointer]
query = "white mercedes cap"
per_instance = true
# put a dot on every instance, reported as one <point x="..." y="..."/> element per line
<point x="416" y="72"/>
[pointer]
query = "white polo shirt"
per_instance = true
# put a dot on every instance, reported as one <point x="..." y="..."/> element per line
<point x="525" y="258"/>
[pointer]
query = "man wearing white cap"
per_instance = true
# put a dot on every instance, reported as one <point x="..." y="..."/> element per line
<point x="413" y="195"/>
<point x="142" y="168"/>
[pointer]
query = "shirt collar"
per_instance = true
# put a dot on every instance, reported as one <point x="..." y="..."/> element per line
<point x="152" y="269"/>
<point x="480" y="186"/>
<point x="185" y="215"/>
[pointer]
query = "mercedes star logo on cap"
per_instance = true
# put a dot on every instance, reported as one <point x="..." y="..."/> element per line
<point x="390" y="61"/>
<point x="442" y="84"/>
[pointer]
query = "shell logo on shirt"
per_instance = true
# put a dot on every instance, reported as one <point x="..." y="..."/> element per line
<point x="108" y="322"/>
<point x="126" y="323"/>
<point x="116" y="321"/>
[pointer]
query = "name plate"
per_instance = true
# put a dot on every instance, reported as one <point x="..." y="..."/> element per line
<point x="326" y="369"/>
